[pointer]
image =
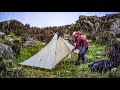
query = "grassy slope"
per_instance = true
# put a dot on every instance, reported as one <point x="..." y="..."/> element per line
<point x="66" y="68"/>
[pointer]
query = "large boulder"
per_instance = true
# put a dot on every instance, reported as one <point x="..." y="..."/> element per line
<point x="115" y="28"/>
<point x="6" y="52"/>
<point x="31" y="42"/>
<point x="115" y="52"/>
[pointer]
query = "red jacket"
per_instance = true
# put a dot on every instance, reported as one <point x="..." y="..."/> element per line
<point x="81" y="41"/>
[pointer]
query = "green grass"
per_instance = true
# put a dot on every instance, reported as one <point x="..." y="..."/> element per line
<point x="27" y="52"/>
<point x="66" y="68"/>
<point x="95" y="52"/>
<point x="11" y="36"/>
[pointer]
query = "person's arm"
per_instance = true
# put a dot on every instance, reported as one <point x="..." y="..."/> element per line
<point x="76" y="44"/>
<point x="74" y="47"/>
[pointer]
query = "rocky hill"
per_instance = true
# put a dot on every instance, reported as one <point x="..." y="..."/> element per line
<point x="105" y="29"/>
<point x="84" y="23"/>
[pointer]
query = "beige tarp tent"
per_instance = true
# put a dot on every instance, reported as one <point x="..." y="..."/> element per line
<point x="51" y="54"/>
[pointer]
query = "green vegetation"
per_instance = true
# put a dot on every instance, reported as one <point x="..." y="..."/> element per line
<point x="27" y="52"/>
<point x="100" y="45"/>
<point x="95" y="52"/>
<point x="11" y="37"/>
<point x="66" y="68"/>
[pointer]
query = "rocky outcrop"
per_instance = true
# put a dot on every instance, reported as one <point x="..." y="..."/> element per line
<point x="93" y="25"/>
<point x="6" y="52"/>
<point x="31" y="42"/>
<point x="115" y="28"/>
<point x="2" y="65"/>
<point x="115" y="52"/>
<point x="11" y="24"/>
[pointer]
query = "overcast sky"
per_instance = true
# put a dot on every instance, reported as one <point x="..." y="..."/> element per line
<point x="43" y="19"/>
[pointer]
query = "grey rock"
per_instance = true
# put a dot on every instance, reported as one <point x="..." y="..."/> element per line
<point x="6" y="52"/>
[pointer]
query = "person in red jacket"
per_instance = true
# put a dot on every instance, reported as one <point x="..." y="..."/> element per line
<point x="80" y="41"/>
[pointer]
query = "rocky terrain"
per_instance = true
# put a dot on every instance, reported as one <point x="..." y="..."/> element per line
<point x="104" y="30"/>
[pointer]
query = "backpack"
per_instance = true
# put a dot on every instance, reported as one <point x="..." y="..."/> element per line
<point x="103" y="65"/>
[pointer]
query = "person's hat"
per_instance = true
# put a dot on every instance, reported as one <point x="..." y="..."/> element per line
<point x="74" y="33"/>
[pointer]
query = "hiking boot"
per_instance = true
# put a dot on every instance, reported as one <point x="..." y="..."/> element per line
<point x="84" y="62"/>
<point x="77" y="64"/>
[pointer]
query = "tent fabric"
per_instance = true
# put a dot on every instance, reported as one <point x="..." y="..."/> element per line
<point x="69" y="56"/>
<point x="61" y="51"/>
<point x="45" y="57"/>
<point x="51" y="54"/>
<point x="70" y="46"/>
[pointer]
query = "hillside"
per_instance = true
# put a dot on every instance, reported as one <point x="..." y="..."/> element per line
<point x="24" y="40"/>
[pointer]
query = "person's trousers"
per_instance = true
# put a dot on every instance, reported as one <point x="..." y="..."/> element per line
<point x="81" y="54"/>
